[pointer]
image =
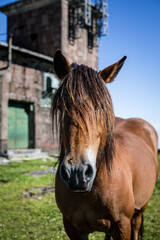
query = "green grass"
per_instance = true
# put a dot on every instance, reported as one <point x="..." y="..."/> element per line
<point x="39" y="218"/>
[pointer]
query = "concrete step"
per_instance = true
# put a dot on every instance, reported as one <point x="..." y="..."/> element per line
<point x="26" y="153"/>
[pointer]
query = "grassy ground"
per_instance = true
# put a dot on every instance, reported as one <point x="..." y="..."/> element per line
<point x="25" y="217"/>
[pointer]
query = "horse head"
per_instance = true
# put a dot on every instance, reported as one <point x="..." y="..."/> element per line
<point x="83" y="107"/>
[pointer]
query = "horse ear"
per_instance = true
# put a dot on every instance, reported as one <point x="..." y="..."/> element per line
<point x="109" y="73"/>
<point x="61" y="65"/>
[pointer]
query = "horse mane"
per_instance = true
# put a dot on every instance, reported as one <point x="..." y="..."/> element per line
<point x="83" y="92"/>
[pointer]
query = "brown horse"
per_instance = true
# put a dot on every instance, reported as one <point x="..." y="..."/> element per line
<point x="107" y="166"/>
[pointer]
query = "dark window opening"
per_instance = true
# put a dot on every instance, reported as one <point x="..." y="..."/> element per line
<point x="49" y="85"/>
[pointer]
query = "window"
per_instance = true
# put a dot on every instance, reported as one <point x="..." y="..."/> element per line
<point x="51" y="83"/>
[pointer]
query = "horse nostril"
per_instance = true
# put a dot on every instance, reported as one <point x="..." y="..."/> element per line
<point x="89" y="172"/>
<point x="64" y="173"/>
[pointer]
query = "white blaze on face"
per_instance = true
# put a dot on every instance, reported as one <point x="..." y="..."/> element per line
<point x="91" y="154"/>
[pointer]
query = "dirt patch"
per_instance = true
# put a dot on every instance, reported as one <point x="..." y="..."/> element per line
<point x="38" y="173"/>
<point x="38" y="191"/>
<point x="3" y="181"/>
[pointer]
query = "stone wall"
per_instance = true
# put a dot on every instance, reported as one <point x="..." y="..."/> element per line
<point x="4" y="106"/>
<point x="37" y="29"/>
<point x="25" y="84"/>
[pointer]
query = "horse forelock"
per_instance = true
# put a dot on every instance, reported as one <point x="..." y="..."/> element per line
<point x="82" y="93"/>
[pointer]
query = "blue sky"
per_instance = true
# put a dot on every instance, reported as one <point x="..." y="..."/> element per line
<point x="134" y="31"/>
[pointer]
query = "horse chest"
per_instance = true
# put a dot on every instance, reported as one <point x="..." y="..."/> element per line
<point x="88" y="219"/>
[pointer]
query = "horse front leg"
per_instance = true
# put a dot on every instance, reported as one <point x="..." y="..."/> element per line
<point x="123" y="230"/>
<point x="72" y="233"/>
<point x="137" y="223"/>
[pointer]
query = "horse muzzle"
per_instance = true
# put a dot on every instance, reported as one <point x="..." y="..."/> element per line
<point x="78" y="178"/>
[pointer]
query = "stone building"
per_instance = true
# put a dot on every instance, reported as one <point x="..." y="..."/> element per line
<point x="38" y="28"/>
<point x="24" y="115"/>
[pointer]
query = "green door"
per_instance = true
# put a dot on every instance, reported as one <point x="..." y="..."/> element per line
<point x="18" y="126"/>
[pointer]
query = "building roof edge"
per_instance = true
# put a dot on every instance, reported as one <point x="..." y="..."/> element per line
<point x="29" y="52"/>
<point x="24" y="6"/>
